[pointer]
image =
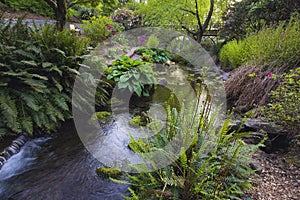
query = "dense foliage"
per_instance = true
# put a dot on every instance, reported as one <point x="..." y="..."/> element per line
<point x="153" y="55"/>
<point x="37" y="69"/>
<point x="128" y="18"/>
<point x="249" y="16"/>
<point x="220" y="173"/>
<point x="35" y="6"/>
<point x="191" y="17"/>
<point x="133" y="75"/>
<point x="271" y="46"/>
<point x="100" y="28"/>
<point x="283" y="108"/>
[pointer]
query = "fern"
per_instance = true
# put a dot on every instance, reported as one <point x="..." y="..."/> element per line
<point x="37" y="71"/>
<point x="221" y="173"/>
<point x="9" y="111"/>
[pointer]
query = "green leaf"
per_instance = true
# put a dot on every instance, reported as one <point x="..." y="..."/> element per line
<point x="138" y="90"/>
<point x="46" y="64"/>
<point x="29" y="62"/>
<point x="122" y="85"/>
<point x="74" y="71"/>
<point x="55" y="68"/>
<point x="57" y="84"/>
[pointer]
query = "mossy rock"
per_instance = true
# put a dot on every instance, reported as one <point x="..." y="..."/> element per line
<point x="139" y="120"/>
<point x="106" y="172"/>
<point x="103" y="115"/>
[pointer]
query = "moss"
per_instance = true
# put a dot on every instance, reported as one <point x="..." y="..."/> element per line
<point x="106" y="172"/>
<point x="140" y="120"/>
<point x="103" y="115"/>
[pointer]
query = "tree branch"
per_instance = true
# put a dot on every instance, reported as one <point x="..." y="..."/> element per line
<point x="211" y="10"/>
<point x="51" y="3"/>
<point x="198" y="17"/>
<point x="188" y="30"/>
<point x="189" y="11"/>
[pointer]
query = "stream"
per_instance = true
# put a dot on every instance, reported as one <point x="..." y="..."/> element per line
<point x="57" y="167"/>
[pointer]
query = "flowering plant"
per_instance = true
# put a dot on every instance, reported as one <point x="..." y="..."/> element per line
<point x="128" y="18"/>
<point x="100" y="28"/>
<point x="283" y="108"/>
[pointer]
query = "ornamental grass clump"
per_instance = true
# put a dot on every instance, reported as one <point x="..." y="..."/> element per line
<point x="272" y="46"/>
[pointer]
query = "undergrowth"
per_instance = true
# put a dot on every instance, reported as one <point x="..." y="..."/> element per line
<point x="214" y="166"/>
<point x="37" y="70"/>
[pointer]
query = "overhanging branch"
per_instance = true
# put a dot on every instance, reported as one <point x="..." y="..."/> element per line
<point x="51" y="3"/>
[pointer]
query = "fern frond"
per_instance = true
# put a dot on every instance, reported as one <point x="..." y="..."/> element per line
<point x="9" y="111"/>
<point x="27" y="124"/>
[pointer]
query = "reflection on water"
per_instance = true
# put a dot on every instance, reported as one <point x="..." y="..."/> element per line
<point x="56" y="168"/>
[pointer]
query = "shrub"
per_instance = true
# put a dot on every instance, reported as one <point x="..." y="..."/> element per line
<point x="274" y="45"/>
<point x="134" y="75"/>
<point x="153" y="55"/>
<point x="221" y="173"/>
<point x="231" y="55"/>
<point x="100" y="28"/>
<point x="37" y="69"/>
<point x="128" y="18"/>
<point x="283" y="108"/>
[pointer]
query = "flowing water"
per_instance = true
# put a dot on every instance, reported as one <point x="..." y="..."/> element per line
<point x="56" y="168"/>
<point x="59" y="167"/>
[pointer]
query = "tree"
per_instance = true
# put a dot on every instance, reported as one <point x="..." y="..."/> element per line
<point x="194" y="17"/>
<point x="60" y="8"/>
<point x="249" y="16"/>
<point x="201" y="25"/>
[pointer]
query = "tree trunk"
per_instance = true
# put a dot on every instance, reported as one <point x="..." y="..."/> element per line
<point x="61" y="14"/>
<point x="60" y="9"/>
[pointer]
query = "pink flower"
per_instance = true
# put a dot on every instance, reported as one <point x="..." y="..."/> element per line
<point x="110" y="28"/>
<point x="283" y="34"/>
<point x="269" y="75"/>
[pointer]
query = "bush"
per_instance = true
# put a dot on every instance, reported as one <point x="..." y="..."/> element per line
<point x="231" y="55"/>
<point x="100" y="28"/>
<point x="128" y="18"/>
<point x="220" y="173"/>
<point x="37" y="70"/>
<point x="133" y="75"/>
<point x="283" y="108"/>
<point x="271" y="46"/>
<point x="153" y="55"/>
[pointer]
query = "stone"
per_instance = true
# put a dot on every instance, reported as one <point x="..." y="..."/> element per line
<point x="254" y="137"/>
<point x="2" y="159"/>
<point x="235" y="125"/>
<point x="258" y="124"/>
<point x="256" y="166"/>
<point x="19" y="142"/>
<point x="103" y="115"/>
